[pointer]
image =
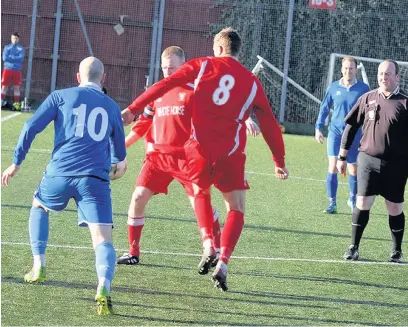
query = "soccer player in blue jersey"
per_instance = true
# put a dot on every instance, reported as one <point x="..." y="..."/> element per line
<point x="87" y="124"/>
<point x="341" y="97"/>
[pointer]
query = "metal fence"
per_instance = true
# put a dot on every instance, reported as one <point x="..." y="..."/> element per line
<point x="129" y="35"/>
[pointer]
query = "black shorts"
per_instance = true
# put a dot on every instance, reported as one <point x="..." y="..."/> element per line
<point x="380" y="177"/>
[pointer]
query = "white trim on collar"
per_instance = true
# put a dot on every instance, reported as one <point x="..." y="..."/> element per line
<point x="395" y="91"/>
<point x="342" y="84"/>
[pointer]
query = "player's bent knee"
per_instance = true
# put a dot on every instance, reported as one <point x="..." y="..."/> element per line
<point x="100" y="233"/>
<point x="365" y="202"/>
<point x="235" y="200"/>
<point x="141" y="196"/>
<point x="394" y="209"/>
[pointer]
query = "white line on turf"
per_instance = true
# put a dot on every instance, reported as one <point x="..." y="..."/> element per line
<point x="183" y="254"/>
<point x="7" y="148"/>
<point x="10" y="116"/>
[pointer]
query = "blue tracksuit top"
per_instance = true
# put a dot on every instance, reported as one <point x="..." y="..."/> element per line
<point x="342" y="99"/>
<point x="13" y="56"/>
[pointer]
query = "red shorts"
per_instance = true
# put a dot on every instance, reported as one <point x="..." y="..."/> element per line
<point x="226" y="173"/>
<point x="11" y="77"/>
<point x="159" y="170"/>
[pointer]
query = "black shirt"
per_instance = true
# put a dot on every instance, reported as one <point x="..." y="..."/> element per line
<point x="384" y="122"/>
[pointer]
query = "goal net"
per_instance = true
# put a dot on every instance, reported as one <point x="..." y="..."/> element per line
<point x="368" y="73"/>
<point x="302" y="106"/>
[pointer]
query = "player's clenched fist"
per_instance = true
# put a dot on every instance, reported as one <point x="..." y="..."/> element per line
<point x="127" y="117"/>
<point x="9" y="173"/>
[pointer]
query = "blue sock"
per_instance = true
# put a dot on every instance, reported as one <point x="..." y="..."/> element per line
<point x="38" y="226"/>
<point x="105" y="260"/>
<point x="331" y="186"/>
<point x="352" y="181"/>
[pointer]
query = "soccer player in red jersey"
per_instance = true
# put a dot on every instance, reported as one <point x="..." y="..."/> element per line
<point x="224" y="93"/>
<point x="167" y="125"/>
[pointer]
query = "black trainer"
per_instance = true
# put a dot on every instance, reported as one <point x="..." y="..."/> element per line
<point x="220" y="280"/>
<point x="396" y="256"/>
<point x="352" y="253"/>
<point x="127" y="259"/>
<point x="206" y="260"/>
<point x="215" y="261"/>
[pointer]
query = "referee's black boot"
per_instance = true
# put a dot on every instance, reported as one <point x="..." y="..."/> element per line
<point x="396" y="256"/>
<point x="352" y="253"/>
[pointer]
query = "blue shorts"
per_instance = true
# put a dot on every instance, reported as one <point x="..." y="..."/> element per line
<point x="333" y="147"/>
<point x="91" y="194"/>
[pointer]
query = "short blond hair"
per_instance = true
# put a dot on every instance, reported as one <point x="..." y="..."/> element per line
<point x="174" y="50"/>
<point x="230" y="40"/>
<point x="350" y="59"/>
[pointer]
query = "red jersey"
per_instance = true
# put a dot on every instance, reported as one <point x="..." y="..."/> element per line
<point x="224" y="93"/>
<point x="169" y="120"/>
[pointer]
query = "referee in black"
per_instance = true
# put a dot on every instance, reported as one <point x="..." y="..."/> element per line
<point x="382" y="165"/>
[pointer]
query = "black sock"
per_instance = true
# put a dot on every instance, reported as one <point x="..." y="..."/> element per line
<point x="397" y="225"/>
<point x="359" y="223"/>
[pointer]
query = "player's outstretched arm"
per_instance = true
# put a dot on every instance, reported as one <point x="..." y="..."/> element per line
<point x="46" y="113"/>
<point x="141" y="126"/>
<point x="185" y="74"/>
<point x="131" y="138"/>
<point x="36" y="124"/>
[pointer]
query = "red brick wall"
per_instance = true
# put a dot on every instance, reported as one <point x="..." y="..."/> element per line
<point x="126" y="57"/>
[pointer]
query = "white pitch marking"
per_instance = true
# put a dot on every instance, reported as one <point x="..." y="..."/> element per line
<point x="10" y="116"/>
<point x="7" y="148"/>
<point x="293" y="177"/>
<point x="183" y="254"/>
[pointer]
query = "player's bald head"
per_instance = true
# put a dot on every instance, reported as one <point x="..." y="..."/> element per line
<point x="91" y="69"/>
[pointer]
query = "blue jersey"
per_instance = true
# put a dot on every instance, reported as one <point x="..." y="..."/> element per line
<point x="13" y="56"/>
<point x="342" y="99"/>
<point x="87" y="126"/>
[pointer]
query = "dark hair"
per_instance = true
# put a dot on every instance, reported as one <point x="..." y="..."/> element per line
<point x="16" y="34"/>
<point x="395" y="65"/>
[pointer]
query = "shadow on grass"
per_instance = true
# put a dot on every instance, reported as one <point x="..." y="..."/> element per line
<point x="247" y="226"/>
<point x="319" y="299"/>
<point x="321" y="280"/>
<point x="225" y="297"/>
<point x="214" y="311"/>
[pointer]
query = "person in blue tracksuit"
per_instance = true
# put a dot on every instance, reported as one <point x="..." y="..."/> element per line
<point x="88" y="132"/>
<point x="13" y="56"/>
<point x="341" y="96"/>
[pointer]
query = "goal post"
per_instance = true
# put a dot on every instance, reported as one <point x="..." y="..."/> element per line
<point x="367" y="68"/>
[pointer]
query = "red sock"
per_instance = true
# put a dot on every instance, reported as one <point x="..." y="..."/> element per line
<point x="230" y="234"/>
<point x="3" y="96"/>
<point x="135" y="226"/>
<point x="16" y="98"/>
<point x="216" y="230"/>
<point x="204" y="215"/>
